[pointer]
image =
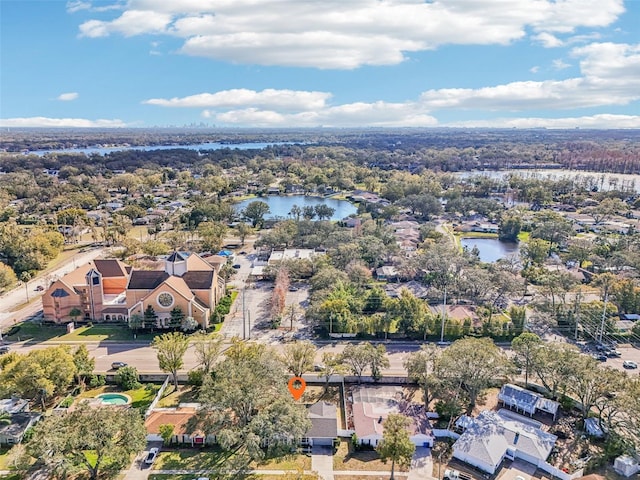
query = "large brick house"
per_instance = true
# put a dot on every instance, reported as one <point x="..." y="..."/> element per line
<point x="110" y="291"/>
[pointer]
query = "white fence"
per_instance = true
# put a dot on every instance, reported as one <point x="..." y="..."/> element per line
<point x="444" y="433"/>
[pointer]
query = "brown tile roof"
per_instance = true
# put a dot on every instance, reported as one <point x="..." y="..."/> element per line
<point x="199" y="280"/>
<point x="196" y="263"/>
<point x="77" y="277"/>
<point x="178" y="417"/>
<point x="111" y="268"/>
<point x="146" y="279"/>
<point x="180" y="286"/>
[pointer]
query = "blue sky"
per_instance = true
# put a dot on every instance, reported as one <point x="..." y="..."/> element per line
<point x="308" y="63"/>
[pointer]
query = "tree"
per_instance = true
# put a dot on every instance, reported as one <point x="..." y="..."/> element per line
<point x="150" y="318"/>
<point x="171" y="348"/>
<point x="127" y="378"/>
<point x="377" y="360"/>
<point x="84" y="364"/>
<point x="606" y="209"/>
<point x="396" y="445"/>
<point x="166" y="432"/>
<point x="136" y="321"/>
<point x="39" y="373"/>
<point x="75" y="313"/>
<point x="421" y="368"/>
<point x="7" y="276"/>
<point x="207" y="348"/>
<point x="189" y="324"/>
<point x="553" y="365"/>
<point x="176" y="317"/>
<point x="212" y="235"/>
<point x="472" y="364"/>
<point x="331" y="365"/>
<point x="248" y="405"/>
<point x="243" y="231"/>
<point x="298" y="357"/>
<point x="525" y="347"/>
<point x="356" y="357"/>
<point x="255" y="212"/>
<point x="510" y="226"/>
<point x="96" y="439"/>
<point x="324" y="211"/>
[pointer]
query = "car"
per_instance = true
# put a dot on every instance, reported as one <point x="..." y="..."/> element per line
<point x="601" y="357"/>
<point x="117" y="365"/>
<point x="4" y="349"/>
<point x="318" y="368"/>
<point x="293" y="289"/>
<point x="613" y="353"/>
<point x="151" y="456"/>
<point x="243" y="252"/>
<point x="39" y="288"/>
<point x="237" y="266"/>
<point x="629" y="364"/>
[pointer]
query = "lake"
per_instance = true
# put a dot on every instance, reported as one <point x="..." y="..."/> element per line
<point x="281" y="205"/>
<point x="197" y="146"/>
<point x="491" y="249"/>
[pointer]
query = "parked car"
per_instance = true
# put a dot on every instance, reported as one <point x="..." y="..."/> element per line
<point x="613" y="353"/>
<point x="293" y="288"/>
<point x="601" y="357"/>
<point x="318" y="367"/>
<point x="629" y="364"/>
<point x="151" y="456"/>
<point x="39" y="288"/>
<point x="117" y="365"/>
<point x="237" y="266"/>
<point x="4" y="349"/>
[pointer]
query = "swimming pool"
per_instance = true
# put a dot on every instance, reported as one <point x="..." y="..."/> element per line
<point x="114" y="398"/>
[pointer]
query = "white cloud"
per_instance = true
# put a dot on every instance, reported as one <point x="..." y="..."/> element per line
<point x="534" y="69"/>
<point x="67" y="97"/>
<point x="269" y="98"/>
<point x="560" y="64"/>
<point x="611" y="76"/>
<point x="347" y="35"/>
<point x="60" y="122"/>
<point x="595" y="121"/>
<point x="77" y="5"/>
<point x="547" y="40"/>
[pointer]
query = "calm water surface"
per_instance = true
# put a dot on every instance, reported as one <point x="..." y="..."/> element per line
<point x="491" y="249"/>
<point x="281" y="205"/>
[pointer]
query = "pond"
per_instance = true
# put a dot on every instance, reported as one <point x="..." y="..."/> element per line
<point x="280" y="206"/>
<point x="491" y="249"/>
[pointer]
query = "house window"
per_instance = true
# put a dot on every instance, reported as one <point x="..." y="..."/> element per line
<point x="165" y="299"/>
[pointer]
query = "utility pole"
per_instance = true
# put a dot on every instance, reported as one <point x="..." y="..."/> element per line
<point x="604" y="316"/>
<point x="577" y="313"/>
<point x="249" y="323"/>
<point x="444" y="313"/>
<point x="244" y="326"/>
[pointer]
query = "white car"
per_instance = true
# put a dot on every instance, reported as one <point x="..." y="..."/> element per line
<point x="629" y="364"/>
<point x="151" y="456"/>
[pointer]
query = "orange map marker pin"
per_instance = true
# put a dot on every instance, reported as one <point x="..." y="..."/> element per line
<point x="296" y="387"/>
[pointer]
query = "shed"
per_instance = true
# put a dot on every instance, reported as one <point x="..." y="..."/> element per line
<point x="626" y="465"/>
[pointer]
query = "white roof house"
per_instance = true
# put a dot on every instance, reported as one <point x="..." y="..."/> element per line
<point x="526" y="401"/>
<point x="490" y="438"/>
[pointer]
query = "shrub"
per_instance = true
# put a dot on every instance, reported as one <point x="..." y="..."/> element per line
<point x="96" y="381"/>
<point x="127" y="378"/>
<point x="195" y="377"/>
<point x="66" y="403"/>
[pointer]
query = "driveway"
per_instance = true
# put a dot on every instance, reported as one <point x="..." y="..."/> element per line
<point x="322" y="462"/>
<point x="421" y="464"/>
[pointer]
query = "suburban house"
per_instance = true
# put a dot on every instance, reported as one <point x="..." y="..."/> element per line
<point x="493" y="437"/>
<point x="278" y="256"/>
<point x="178" y="417"/>
<point x="324" y="425"/>
<point x="13" y="432"/>
<point x="370" y="407"/>
<point x="109" y="290"/>
<point x="526" y="401"/>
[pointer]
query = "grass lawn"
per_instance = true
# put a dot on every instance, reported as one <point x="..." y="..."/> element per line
<point x="184" y="394"/>
<point x="364" y="460"/>
<point x="96" y="333"/>
<point x="524" y="236"/>
<point x="477" y="235"/>
<point x="250" y="477"/>
<point x="189" y="459"/>
<point x="140" y="397"/>
<point x="288" y="462"/>
<point x="3" y="458"/>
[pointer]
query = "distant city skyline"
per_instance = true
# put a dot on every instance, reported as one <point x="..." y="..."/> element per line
<point x="285" y="63"/>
